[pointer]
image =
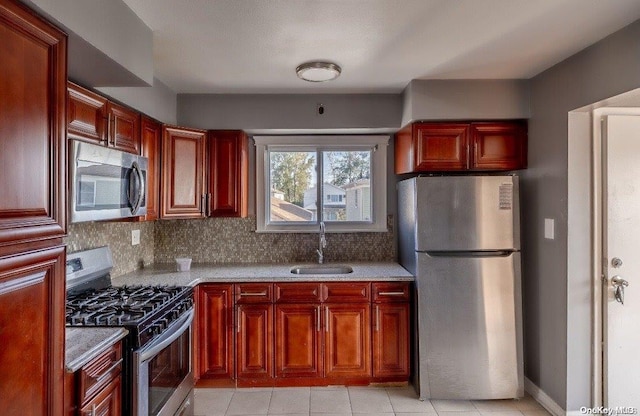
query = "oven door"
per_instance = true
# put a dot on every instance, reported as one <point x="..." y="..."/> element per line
<point x="163" y="381"/>
<point x="106" y="183"/>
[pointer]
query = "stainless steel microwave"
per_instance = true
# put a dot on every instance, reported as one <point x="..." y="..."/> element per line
<point x="106" y="183"/>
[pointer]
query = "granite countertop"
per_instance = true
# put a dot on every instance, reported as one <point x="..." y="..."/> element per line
<point x="165" y="274"/>
<point x="83" y="344"/>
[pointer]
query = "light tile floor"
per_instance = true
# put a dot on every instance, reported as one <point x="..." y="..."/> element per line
<point x="338" y="401"/>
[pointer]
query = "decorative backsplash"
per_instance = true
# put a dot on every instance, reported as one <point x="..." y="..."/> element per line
<point x="222" y="240"/>
<point x="117" y="235"/>
<point x="234" y="240"/>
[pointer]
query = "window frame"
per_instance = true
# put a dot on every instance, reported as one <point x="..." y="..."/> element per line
<point x="377" y="144"/>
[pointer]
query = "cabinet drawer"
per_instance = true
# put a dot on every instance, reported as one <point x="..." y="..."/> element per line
<point x="390" y="292"/>
<point x="298" y="292"/>
<point x="254" y="293"/>
<point x="97" y="374"/>
<point x="347" y="292"/>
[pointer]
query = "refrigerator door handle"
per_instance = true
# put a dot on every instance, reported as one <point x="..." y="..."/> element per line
<point x="484" y="253"/>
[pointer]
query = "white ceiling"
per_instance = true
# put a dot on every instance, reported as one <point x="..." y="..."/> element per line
<point x="254" y="46"/>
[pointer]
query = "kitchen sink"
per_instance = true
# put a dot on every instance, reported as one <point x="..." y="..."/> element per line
<point x="321" y="269"/>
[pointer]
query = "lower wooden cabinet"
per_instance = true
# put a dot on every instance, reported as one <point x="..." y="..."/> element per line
<point x="32" y="332"/>
<point x="347" y="340"/>
<point x="254" y="341"/>
<point x="96" y="389"/>
<point x="391" y="336"/>
<point x="298" y="336"/>
<point x="213" y="358"/>
<point x="303" y="333"/>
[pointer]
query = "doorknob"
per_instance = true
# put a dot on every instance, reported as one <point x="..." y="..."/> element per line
<point x="619" y="284"/>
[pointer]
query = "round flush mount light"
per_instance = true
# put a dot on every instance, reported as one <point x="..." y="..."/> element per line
<point x="318" y="71"/>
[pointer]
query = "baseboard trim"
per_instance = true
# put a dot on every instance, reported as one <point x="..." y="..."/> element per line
<point x="543" y="398"/>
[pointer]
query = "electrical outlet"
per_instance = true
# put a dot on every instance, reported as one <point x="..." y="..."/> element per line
<point x="549" y="229"/>
<point x="135" y="237"/>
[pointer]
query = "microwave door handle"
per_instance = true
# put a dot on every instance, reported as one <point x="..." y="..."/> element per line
<point x="136" y="187"/>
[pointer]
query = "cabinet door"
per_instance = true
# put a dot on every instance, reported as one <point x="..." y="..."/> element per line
<point x="499" y="146"/>
<point x="32" y="332"/>
<point x="86" y="115"/>
<point x="254" y="342"/>
<point x="33" y="78"/>
<point x="228" y="173"/>
<point x="391" y="340"/>
<point x="123" y="128"/>
<point x="440" y="146"/>
<point x="347" y="345"/>
<point x="214" y="327"/>
<point x="108" y="402"/>
<point x="298" y="340"/>
<point x="151" y="133"/>
<point x="182" y="173"/>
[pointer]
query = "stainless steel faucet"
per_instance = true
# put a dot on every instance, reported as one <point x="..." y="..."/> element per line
<point x="322" y="243"/>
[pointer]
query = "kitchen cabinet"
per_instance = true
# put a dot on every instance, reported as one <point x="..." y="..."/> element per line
<point x="499" y="146"/>
<point x="32" y="127"/>
<point x="93" y="118"/>
<point x="96" y="389"/>
<point x="213" y="343"/>
<point x="391" y="336"/>
<point x="461" y="146"/>
<point x="254" y="332"/>
<point x="151" y="135"/>
<point x="183" y="184"/>
<point x="32" y="332"/>
<point x="228" y="173"/>
<point x="32" y="212"/>
<point x="323" y="340"/>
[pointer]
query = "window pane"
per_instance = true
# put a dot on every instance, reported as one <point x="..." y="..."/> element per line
<point x="293" y="190"/>
<point x="346" y="190"/>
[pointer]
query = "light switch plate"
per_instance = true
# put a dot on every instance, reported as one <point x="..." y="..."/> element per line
<point x="549" y="228"/>
<point x="135" y="237"/>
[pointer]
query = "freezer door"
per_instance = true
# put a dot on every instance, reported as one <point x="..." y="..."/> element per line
<point x="462" y="213"/>
<point x="469" y="327"/>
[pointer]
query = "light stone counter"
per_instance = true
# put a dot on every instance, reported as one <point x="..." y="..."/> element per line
<point x="83" y="344"/>
<point x="165" y="274"/>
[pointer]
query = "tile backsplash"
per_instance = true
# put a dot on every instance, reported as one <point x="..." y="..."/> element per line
<point x="117" y="235"/>
<point x="223" y="240"/>
<point x="234" y="240"/>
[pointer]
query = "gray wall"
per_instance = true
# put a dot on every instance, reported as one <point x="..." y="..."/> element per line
<point x="270" y="113"/>
<point x="108" y="43"/>
<point x="465" y="100"/>
<point x="158" y="101"/>
<point x="553" y="313"/>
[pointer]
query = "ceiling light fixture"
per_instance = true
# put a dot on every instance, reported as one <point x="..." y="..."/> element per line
<point x="318" y="71"/>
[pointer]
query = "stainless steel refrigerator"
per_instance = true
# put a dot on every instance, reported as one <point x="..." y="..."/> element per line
<point x="460" y="237"/>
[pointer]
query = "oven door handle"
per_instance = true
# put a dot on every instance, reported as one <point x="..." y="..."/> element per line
<point x="174" y="332"/>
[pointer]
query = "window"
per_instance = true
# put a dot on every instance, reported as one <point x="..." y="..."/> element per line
<point x="302" y="180"/>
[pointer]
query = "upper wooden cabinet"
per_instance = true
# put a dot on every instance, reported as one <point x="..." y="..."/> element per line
<point x="33" y="152"/>
<point x="228" y="173"/>
<point x="183" y="157"/>
<point x="123" y="128"/>
<point x="91" y="117"/>
<point x="437" y="147"/>
<point x="499" y="146"/>
<point x="151" y="135"/>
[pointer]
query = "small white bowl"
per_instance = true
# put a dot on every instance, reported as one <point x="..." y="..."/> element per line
<point x="183" y="264"/>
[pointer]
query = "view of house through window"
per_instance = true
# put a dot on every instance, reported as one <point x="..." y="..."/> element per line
<point x="345" y="191"/>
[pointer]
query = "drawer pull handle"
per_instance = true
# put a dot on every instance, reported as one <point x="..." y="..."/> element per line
<point x="107" y="373"/>
<point x="391" y="293"/>
<point x="253" y="293"/>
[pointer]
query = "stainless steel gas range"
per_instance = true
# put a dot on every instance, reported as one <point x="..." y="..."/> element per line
<point x="157" y="377"/>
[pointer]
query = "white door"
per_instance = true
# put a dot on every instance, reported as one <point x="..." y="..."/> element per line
<point x="621" y="245"/>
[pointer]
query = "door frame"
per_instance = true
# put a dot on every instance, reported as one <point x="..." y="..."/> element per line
<point x="600" y="294"/>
